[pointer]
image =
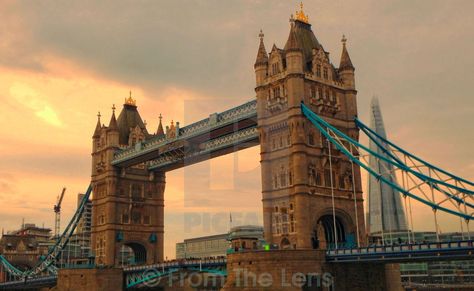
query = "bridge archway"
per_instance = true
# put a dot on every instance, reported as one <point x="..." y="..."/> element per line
<point x="132" y="253"/>
<point x="328" y="230"/>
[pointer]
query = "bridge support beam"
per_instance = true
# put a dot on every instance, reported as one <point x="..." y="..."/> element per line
<point x="110" y="279"/>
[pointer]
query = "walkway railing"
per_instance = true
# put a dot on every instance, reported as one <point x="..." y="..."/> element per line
<point x="405" y="252"/>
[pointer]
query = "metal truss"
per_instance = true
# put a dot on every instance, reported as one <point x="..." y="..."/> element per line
<point x="151" y="274"/>
<point x="214" y="121"/>
<point x="47" y="266"/>
<point x="421" y="181"/>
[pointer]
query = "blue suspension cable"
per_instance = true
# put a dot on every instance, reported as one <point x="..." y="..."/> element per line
<point x="421" y="177"/>
<point x="319" y="123"/>
<point x="360" y="124"/>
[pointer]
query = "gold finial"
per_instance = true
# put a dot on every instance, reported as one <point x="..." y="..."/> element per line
<point x="301" y="16"/>
<point x="344" y="39"/>
<point x="98" y="115"/>
<point x="160" y="117"/>
<point x="113" y="108"/>
<point x="130" y="100"/>
<point x="261" y="35"/>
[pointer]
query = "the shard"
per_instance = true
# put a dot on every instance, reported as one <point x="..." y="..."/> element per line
<point x="385" y="206"/>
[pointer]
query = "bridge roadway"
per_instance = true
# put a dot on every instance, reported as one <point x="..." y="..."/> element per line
<point x="406" y="253"/>
<point x="219" y="134"/>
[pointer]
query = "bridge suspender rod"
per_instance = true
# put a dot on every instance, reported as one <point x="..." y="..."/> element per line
<point x="405" y="202"/>
<point x="434" y="209"/>
<point x="460" y="219"/>
<point x="468" y="231"/>
<point x="355" y="202"/>
<point x="409" y="205"/>
<point x="332" y="194"/>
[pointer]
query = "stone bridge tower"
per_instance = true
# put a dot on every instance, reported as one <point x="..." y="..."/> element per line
<point x="296" y="167"/>
<point x="127" y="216"/>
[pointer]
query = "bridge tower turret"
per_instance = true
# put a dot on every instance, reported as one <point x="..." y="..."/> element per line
<point x="300" y="173"/>
<point x="127" y="203"/>
<point x="261" y="63"/>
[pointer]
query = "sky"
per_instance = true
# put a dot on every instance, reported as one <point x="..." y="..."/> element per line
<point x="63" y="61"/>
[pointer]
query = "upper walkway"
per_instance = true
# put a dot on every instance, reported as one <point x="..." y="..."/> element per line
<point x="216" y="135"/>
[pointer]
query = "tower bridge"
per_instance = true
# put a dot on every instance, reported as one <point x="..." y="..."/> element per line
<point x="304" y="118"/>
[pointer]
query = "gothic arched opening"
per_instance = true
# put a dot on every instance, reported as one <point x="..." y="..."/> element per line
<point x="132" y="254"/>
<point x="325" y="235"/>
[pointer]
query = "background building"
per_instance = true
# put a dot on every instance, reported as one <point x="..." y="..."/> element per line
<point x="241" y="237"/>
<point x="23" y="247"/>
<point x="448" y="273"/>
<point x="203" y="247"/>
<point x="82" y="235"/>
<point x="385" y="210"/>
<point x="246" y="237"/>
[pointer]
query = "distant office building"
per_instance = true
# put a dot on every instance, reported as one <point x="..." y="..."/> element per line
<point x="30" y="229"/>
<point x="85" y="223"/>
<point x="81" y="238"/>
<point x="453" y="275"/>
<point x="385" y="213"/>
<point x="202" y="247"/>
<point x="241" y="237"/>
<point x="25" y="246"/>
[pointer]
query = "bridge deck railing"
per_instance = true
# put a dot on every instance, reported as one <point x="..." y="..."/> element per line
<point x="179" y="264"/>
<point x="429" y="246"/>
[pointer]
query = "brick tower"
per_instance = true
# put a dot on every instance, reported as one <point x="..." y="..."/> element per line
<point x="297" y="190"/>
<point x="127" y="204"/>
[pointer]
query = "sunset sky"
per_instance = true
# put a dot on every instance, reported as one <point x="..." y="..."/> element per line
<point x="63" y="61"/>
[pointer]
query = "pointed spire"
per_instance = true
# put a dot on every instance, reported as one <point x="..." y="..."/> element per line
<point x="346" y="63"/>
<point x="160" y="127"/>
<point x="98" y="126"/>
<point x="292" y="42"/>
<point x="262" y="56"/>
<point x="113" y="121"/>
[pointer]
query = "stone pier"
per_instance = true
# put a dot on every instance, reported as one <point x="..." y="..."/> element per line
<point x="90" y="280"/>
<point x="297" y="270"/>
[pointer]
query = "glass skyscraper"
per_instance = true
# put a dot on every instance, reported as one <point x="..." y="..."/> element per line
<point x="385" y="214"/>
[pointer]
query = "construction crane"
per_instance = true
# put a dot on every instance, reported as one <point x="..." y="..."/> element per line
<point x="57" y="212"/>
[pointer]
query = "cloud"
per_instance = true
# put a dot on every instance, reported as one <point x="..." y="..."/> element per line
<point x="28" y="97"/>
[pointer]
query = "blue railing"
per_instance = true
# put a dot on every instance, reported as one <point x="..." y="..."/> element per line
<point x="406" y="252"/>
